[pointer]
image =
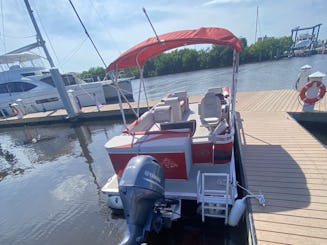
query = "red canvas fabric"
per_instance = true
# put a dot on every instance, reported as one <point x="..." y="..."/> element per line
<point x="140" y="53"/>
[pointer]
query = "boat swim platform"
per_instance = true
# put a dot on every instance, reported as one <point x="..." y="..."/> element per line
<point x="287" y="164"/>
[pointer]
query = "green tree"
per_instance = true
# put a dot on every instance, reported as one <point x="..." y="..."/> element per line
<point x="183" y="60"/>
<point x="93" y="74"/>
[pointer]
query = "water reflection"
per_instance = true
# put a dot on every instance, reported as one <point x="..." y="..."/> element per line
<point x="22" y="148"/>
<point x="84" y="137"/>
<point x="25" y="147"/>
<point x="50" y="185"/>
<point x="7" y="162"/>
<point x="83" y="134"/>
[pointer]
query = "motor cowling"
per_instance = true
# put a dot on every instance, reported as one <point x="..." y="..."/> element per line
<point x="140" y="186"/>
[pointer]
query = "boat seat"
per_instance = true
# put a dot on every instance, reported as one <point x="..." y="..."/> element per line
<point x="175" y="106"/>
<point x="218" y="92"/>
<point x="215" y="90"/>
<point x="183" y="99"/>
<point x="210" y="110"/>
<point x="162" y="114"/>
<point x="143" y="123"/>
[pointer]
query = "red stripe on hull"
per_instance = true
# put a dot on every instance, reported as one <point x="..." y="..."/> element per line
<point x="202" y="153"/>
<point x="222" y="153"/>
<point x="173" y="164"/>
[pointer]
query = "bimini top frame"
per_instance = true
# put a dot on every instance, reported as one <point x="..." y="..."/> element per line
<point x="140" y="53"/>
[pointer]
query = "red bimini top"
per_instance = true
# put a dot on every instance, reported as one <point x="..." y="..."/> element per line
<point x="140" y="53"/>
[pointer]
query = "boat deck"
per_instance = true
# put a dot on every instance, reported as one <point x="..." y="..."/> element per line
<point x="187" y="188"/>
<point x="287" y="164"/>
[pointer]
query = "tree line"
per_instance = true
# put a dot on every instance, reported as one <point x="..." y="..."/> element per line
<point x="184" y="60"/>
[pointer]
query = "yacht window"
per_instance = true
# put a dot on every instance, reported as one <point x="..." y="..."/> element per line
<point x="4" y="88"/>
<point x="28" y="74"/>
<point x="43" y="101"/>
<point x="68" y="79"/>
<point x="48" y="80"/>
<point x="15" y="87"/>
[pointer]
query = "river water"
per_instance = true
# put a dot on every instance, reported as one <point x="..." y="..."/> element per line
<point x="270" y="75"/>
<point x="51" y="176"/>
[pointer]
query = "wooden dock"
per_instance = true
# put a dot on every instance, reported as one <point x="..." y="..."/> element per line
<point x="104" y="112"/>
<point x="287" y="164"/>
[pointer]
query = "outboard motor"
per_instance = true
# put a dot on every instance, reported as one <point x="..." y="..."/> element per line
<point x="140" y="186"/>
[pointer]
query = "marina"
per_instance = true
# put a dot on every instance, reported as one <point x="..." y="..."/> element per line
<point x="286" y="163"/>
<point x="285" y="100"/>
<point x="72" y="170"/>
<point x="212" y="153"/>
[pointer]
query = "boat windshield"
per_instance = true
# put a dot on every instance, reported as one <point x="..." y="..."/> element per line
<point x="68" y="79"/>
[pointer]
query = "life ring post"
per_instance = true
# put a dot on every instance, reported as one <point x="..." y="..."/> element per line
<point x="16" y="110"/>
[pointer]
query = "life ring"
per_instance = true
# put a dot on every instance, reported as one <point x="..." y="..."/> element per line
<point x="320" y="95"/>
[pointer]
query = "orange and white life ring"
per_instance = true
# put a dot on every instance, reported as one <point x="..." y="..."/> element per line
<point x="312" y="100"/>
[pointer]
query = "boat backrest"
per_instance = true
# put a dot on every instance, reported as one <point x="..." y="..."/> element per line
<point x="215" y="90"/>
<point x="210" y="106"/>
<point x="143" y="123"/>
<point x="218" y="92"/>
<point x="183" y="100"/>
<point x="162" y="113"/>
<point x="176" y="108"/>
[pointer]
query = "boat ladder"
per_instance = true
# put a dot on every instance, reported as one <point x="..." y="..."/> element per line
<point x="213" y="194"/>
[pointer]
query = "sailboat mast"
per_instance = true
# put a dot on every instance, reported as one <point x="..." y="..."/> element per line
<point x="256" y="25"/>
<point x="38" y="34"/>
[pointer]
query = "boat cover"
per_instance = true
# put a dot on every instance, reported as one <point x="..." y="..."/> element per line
<point x="140" y="53"/>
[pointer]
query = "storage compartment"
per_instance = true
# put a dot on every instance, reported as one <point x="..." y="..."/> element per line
<point x="171" y="149"/>
<point x="202" y="152"/>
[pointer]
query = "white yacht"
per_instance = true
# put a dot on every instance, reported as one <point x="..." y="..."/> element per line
<point x="34" y="87"/>
<point x="31" y="86"/>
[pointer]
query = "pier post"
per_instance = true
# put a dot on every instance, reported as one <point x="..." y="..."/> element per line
<point x="308" y="107"/>
<point x="16" y="107"/>
<point x="21" y="106"/>
<point x="62" y="92"/>
<point x="73" y="102"/>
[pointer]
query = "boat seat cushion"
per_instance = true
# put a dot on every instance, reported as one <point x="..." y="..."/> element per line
<point x="176" y="108"/>
<point x="162" y="114"/>
<point x="143" y="123"/>
<point x="210" y="110"/>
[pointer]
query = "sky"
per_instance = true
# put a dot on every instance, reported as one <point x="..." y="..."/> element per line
<point x="117" y="25"/>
